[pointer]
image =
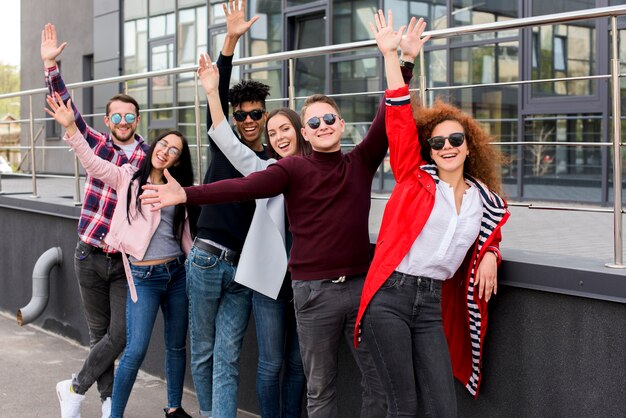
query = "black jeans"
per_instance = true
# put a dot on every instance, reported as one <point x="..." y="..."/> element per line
<point x="325" y="313"/>
<point x="103" y="288"/>
<point x="404" y="328"/>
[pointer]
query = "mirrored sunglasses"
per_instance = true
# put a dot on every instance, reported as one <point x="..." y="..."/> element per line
<point x="241" y="115"/>
<point x="315" y="122"/>
<point x="438" y="142"/>
<point x="116" y="118"/>
<point x="172" y="151"/>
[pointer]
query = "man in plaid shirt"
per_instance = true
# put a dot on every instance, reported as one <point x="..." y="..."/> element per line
<point x="99" y="268"/>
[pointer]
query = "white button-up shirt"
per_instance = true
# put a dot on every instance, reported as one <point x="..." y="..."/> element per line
<point x="442" y="244"/>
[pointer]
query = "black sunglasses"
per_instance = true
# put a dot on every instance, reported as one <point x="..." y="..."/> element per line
<point x="437" y="142"/>
<point x="241" y="115"/>
<point x="315" y="122"/>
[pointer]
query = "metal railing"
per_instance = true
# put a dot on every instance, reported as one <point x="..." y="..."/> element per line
<point x="291" y="56"/>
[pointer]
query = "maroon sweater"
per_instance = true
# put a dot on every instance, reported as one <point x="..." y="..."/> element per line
<point x="327" y="196"/>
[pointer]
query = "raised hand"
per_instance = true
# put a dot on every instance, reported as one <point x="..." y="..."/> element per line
<point x="236" y="24"/>
<point x="50" y="49"/>
<point x="61" y="112"/>
<point x="387" y="39"/>
<point x="208" y="74"/>
<point x="412" y="42"/>
<point x="162" y="195"/>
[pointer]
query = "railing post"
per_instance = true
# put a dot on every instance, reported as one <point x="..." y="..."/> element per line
<point x="291" y="84"/>
<point x="32" y="146"/>
<point x="617" y="151"/>
<point x="422" y="79"/>
<point x="196" y="108"/>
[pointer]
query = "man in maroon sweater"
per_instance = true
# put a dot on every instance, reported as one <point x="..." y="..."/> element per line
<point x="327" y="197"/>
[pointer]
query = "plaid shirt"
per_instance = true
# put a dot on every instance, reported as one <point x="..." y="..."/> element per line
<point x="99" y="200"/>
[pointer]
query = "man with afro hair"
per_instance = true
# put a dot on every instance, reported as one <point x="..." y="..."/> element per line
<point x="219" y="308"/>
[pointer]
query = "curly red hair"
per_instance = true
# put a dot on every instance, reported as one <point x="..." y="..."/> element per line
<point x="484" y="160"/>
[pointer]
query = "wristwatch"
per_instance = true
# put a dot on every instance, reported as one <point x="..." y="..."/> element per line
<point x="407" y="64"/>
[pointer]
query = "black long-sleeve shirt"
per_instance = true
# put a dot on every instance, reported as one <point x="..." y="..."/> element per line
<point x="226" y="223"/>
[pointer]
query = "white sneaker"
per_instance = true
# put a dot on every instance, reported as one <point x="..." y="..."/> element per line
<point x="106" y="408"/>
<point x="70" y="401"/>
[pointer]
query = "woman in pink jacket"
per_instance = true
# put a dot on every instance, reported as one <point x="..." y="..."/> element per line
<point x="424" y="301"/>
<point x="156" y="243"/>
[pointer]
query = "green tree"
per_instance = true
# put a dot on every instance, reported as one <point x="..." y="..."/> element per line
<point x="9" y="82"/>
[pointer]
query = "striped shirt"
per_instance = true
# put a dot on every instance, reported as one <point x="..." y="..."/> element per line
<point x="99" y="199"/>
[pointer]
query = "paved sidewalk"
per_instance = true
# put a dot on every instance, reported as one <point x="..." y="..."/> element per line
<point x="32" y="361"/>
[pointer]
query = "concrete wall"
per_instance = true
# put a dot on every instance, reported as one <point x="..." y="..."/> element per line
<point x="546" y="354"/>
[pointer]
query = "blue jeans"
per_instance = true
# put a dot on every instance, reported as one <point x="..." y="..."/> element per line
<point x="326" y="312"/>
<point x="219" y="310"/>
<point x="162" y="285"/>
<point x="404" y="327"/>
<point x="277" y="339"/>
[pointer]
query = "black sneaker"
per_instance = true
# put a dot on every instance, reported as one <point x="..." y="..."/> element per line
<point x="177" y="413"/>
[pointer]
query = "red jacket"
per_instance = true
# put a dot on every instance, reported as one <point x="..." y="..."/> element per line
<point x="411" y="202"/>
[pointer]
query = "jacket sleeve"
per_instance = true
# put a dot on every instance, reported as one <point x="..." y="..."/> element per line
<point x="404" y="146"/>
<point x="55" y="83"/>
<point x="111" y="174"/>
<point x="241" y="157"/>
<point x="375" y="143"/>
<point x="262" y="184"/>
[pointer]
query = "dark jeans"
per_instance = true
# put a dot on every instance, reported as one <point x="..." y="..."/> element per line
<point x="277" y="339"/>
<point x="404" y="327"/>
<point x="326" y="312"/>
<point x="102" y="283"/>
<point x="163" y="286"/>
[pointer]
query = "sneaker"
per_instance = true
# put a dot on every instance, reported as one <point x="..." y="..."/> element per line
<point x="69" y="400"/>
<point x="177" y="413"/>
<point x="106" y="408"/>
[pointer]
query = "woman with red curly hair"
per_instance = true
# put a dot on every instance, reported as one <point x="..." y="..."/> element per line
<point x="436" y="254"/>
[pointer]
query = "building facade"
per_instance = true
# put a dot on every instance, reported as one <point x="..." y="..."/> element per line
<point x="136" y="36"/>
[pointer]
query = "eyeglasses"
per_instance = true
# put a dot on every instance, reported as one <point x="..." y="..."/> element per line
<point x="437" y="142"/>
<point x="255" y="114"/>
<point x="116" y="118"/>
<point x="172" y="151"/>
<point x="315" y="122"/>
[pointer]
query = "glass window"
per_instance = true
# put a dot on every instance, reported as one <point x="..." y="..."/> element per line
<point x="563" y="172"/>
<point x="216" y="13"/>
<point x="563" y="51"/>
<point x="476" y="12"/>
<point x="192" y="35"/>
<point x="162" y="25"/>
<point x="433" y="11"/>
<point x="135" y="46"/>
<point x="266" y="34"/>
<point x="351" y="20"/>
<point x="310" y="72"/>
<point x="162" y="57"/>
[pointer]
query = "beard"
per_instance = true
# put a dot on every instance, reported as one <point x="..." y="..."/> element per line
<point x="130" y="135"/>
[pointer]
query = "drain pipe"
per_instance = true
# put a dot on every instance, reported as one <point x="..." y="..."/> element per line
<point x="41" y="286"/>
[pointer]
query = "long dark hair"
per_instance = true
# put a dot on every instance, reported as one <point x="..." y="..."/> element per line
<point x="182" y="171"/>
<point x="304" y="147"/>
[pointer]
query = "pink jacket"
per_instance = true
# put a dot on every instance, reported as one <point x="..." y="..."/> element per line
<point x="132" y="238"/>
